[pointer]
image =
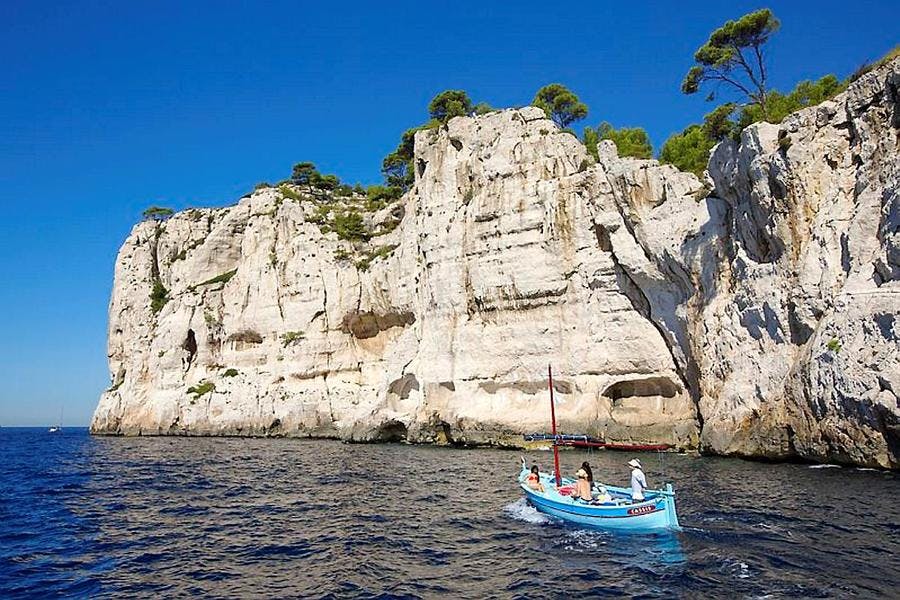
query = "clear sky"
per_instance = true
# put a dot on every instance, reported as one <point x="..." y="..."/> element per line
<point x="108" y="107"/>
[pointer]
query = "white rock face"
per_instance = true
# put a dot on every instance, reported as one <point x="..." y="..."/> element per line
<point x="802" y="351"/>
<point x="668" y="316"/>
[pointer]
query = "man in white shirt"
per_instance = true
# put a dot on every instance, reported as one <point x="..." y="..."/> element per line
<point x="638" y="481"/>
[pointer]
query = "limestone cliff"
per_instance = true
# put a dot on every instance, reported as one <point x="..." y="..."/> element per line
<point x="759" y="319"/>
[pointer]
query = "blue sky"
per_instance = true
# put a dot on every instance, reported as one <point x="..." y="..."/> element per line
<point x="108" y="107"/>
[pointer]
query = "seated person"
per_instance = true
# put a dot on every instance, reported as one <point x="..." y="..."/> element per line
<point x="590" y="473"/>
<point x="534" y="480"/>
<point x="582" y="487"/>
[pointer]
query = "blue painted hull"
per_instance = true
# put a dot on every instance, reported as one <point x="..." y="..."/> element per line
<point x="655" y="513"/>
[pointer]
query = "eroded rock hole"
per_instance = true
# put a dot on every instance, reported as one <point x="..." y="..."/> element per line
<point x="650" y="387"/>
<point x="392" y="431"/>
<point x="190" y="345"/>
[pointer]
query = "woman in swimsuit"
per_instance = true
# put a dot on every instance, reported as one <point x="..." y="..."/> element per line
<point x="534" y="480"/>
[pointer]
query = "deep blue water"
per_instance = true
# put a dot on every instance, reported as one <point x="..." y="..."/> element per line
<point x="126" y="517"/>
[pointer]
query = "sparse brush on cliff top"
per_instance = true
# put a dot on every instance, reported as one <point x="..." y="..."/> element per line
<point x="158" y="213"/>
<point x="560" y="104"/>
<point x="688" y="151"/>
<point x="733" y="57"/>
<point x="449" y="104"/>
<point x="629" y="141"/>
<point x="869" y="66"/>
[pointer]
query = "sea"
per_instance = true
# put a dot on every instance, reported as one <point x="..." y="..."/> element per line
<point x="170" y="517"/>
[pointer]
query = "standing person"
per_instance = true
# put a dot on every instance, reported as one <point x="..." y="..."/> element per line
<point x="638" y="481"/>
<point x="590" y="474"/>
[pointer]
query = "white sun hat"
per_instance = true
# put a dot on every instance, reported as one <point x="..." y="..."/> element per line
<point x="635" y="463"/>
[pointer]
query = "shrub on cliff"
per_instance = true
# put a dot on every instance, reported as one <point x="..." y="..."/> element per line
<point x="303" y="173"/>
<point x="204" y="387"/>
<point x="379" y="196"/>
<point x="349" y="225"/>
<point x="806" y="93"/>
<point x="159" y="295"/>
<point x="449" y="104"/>
<point x="560" y="104"/>
<point x="688" y="150"/>
<point x="397" y="166"/>
<point x="157" y="213"/>
<point x="306" y="173"/>
<point x="629" y="141"/>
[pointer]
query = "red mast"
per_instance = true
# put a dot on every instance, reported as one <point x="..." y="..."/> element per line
<point x="553" y="418"/>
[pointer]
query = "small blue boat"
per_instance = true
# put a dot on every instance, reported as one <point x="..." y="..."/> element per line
<point x="656" y="512"/>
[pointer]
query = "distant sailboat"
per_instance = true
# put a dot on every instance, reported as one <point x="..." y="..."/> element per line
<point x="58" y="427"/>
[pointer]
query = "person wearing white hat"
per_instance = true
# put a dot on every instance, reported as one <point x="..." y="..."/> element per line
<point x="638" y="481"/>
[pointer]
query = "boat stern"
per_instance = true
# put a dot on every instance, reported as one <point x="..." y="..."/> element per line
<point x="671" y="514"/>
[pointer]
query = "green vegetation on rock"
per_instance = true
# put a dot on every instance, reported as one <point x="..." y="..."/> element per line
<point x="157" y="213"/>
<point x="291" y="337"/>
<point x="733" y="56"/>
<point x="560" y="104"/>
<point x="159" y="295"/>
<point x="220" y="278"/>
<point x="397" y="167"/>
<point x="204" y="387"/>
<point x="449" y="104"/>
<point x="288" y="192"/>
<point x="483" y="108"/>
<point x="688" y="150"/>
<point x="867" y="67"/>
<point x="349" y="226"/>
<point x="629" y="141"/>
<point x="365" y="262"/>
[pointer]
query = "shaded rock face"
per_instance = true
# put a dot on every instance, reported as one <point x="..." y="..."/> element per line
<point x="756" y="320"/>
<point x="802" y="354"/>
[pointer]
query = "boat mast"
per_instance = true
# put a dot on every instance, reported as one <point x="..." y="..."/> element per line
<point x="553" y="419"/>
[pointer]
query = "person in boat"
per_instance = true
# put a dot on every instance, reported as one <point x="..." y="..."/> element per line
<point x="582" y="487"/>
<point x="534" y="479"/>
<point x="586" y="467"/>
<point x="638" y="481"/>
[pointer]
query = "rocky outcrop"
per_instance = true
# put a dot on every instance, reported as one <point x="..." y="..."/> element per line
<point x="803" y="355"/>
<point x="759" y="319"/>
